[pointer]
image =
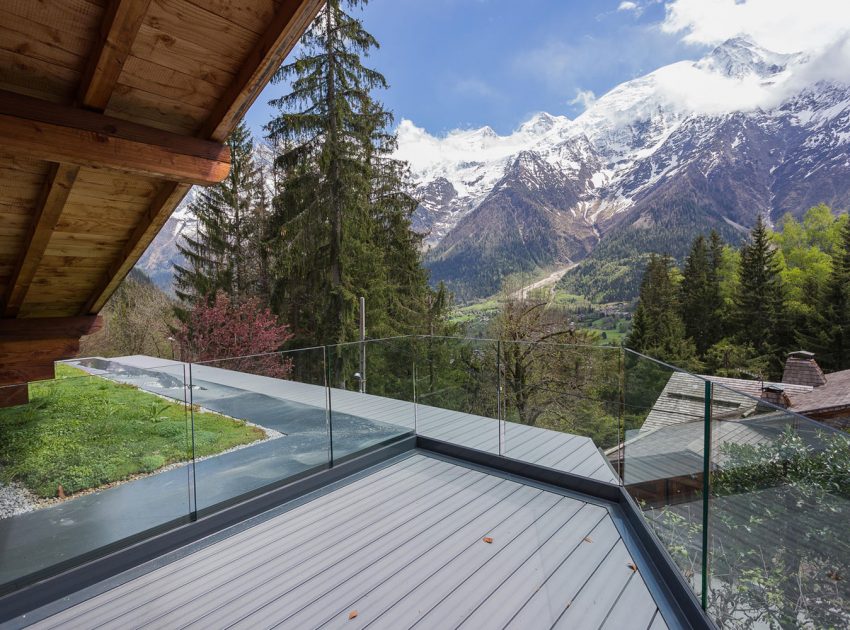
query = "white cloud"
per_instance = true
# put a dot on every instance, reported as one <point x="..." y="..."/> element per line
<point x="628" y="6"/>
<point x="783" y="26"/>
<point x="820" y="29"/>
<point x="552" y="62"/>
<point x="585" y="98"/>
<point x="471" y="86"/>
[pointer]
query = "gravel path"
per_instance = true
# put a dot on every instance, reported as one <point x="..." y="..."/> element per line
<point x="15" y="499"/>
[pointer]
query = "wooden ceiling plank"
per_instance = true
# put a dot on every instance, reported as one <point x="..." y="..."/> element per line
<point x="120" y="24"/>
<point x="160" y="209"/>
<point x="289" y="22"/>
<point x="56" y="190"/>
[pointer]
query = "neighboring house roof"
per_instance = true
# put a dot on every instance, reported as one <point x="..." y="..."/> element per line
<point x="834" y="394"/>
<point x="683" y="398"/>
<point x="670" y="443"/>
<point x="677" y="450"/>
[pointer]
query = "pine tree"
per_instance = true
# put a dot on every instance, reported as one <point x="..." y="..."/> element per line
<point x="700" y="300"/>
<point x="222" y="255"/>
<point x="657" y="328"/>
<point x="343" y="208"/>
<point x="830" y="335"/>
<point x="761" y="316"/>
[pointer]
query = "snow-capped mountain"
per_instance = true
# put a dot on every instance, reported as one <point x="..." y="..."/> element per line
<point x="162" y="254"/>
<point x="690" y="146"/>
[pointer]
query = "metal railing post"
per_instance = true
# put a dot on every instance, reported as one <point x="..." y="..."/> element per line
<point x="415" y="413"/>
<point x="499" y="410"/>
<point x="329" y="411"/>
<point x="706" y="491"/>
<point x="193" y="482"/>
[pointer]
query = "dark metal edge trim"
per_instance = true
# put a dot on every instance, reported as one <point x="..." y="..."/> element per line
<point x="675" y="599"/>
<point x="665" y="579"/>
<point x="569" y="481"/>
<point x="108" y="566"/>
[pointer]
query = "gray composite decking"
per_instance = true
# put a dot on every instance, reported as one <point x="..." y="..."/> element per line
<point x="402" y="547"/>
<point x="35" y="541"/>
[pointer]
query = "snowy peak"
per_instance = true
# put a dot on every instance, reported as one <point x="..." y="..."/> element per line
<point x="542" y="123"/>
<point x="530" y="171"/>
<point x="741" y="57"/>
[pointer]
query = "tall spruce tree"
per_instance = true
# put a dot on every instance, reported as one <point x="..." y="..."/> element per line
<point x="343" y="210"/>
<point x="700" y="297"/>
<point x="829" y="335"/>
<point x="223" y="254"/>
<point x="761" y="314"/>
<point x="657" y="328"/>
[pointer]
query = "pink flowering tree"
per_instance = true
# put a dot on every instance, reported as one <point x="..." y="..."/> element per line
<point x="241" y="336"/>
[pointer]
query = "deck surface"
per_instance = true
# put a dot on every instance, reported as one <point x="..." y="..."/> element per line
<point x="400" y="547"/>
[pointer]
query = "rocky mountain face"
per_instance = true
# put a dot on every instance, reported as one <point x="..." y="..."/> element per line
<point x="644" y="169"/>
<point x="162" y="254"/>
<point x="528" y="218"/>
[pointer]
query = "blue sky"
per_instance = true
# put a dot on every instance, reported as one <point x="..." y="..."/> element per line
<point x="468" y="63"/>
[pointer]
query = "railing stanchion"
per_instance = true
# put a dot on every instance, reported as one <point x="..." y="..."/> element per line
<point x="415" y="419"/>
<point x="499" y="411"/>
<point x="329" y="411"/>
<point x="706" y="491"/>
<point x="193" y="488"/>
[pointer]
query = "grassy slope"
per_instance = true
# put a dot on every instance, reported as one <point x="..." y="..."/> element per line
<point x="477" y="315"/>
<point x="83" y="432"/>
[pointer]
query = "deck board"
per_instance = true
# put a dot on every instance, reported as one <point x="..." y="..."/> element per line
<point x="403" y="546"/>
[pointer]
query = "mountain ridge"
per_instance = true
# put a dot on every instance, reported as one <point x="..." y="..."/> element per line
<point x="645" y="145"/>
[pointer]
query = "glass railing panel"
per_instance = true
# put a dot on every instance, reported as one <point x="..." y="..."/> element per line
<point x="88" y="463"/>
<point x="457" y="391"/>
<point x="662" y="458"/>
<point x="779" y="516"/>
<point x="371" y="394"/>
<point x="279" y="428"/>
<point x="561" y="406"/>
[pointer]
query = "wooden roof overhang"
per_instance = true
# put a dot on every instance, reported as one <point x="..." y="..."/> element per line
<point x="110" y="110"/>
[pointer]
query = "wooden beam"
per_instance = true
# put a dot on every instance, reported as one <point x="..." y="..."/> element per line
<point x="30" y="347"/>
<point x="284" y="31"/>
<point x="158" y="212"/>
<point x="119" y="27"/>
<point x="35" y="328"/>
<point x="56" y="190"/>
<point x="46" y="131"/>
<point x="121" y="22"/>
<point x="14" y="395"/>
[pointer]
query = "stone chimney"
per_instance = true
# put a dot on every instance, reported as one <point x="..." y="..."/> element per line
<point x="775" y="395"/>
<point x="802" y="369"/>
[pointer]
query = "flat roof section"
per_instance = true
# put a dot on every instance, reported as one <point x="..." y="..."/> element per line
<point x="422" y="542"/>
<point x="258" y="399"/>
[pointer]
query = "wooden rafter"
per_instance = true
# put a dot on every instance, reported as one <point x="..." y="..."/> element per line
<point x="276" y="42"/>
<point x="47" y="131"/>
<point x="119" y="27"/>
<point x="56" y="190"/>
<point x="168" y="197"/>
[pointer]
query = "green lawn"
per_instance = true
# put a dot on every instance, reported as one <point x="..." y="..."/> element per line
<point x="83" y="431"/>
